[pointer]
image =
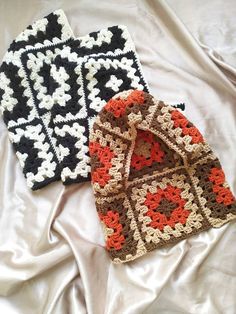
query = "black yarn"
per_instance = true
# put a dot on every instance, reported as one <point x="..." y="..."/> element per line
<point x="116" y="42"/>
<point x="53" y="30"/>
<point x="21" y="109"/>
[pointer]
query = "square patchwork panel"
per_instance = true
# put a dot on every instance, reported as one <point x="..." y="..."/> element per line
<point x="105" y="76"/>
<point x="72" y="143"/>
<point x="16" y="104"/>
<point x="215" y="196"/>
<point x="167" y="208"/>
<point x="48" y="84"/>
<point x="151" y="155"/>
<point x="120" y="228"/>
<point x="35" y="154"/>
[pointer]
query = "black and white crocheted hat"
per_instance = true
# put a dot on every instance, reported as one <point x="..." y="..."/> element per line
<point x="155" y="178"/>
<point x="52" y="85"/>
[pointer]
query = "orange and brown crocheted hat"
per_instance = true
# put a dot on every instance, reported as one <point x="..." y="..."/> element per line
<point x="156" y="181"/>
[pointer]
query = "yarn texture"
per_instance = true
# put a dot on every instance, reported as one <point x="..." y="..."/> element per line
<point x="156" y="180"/>
<point x="52" y="85"/>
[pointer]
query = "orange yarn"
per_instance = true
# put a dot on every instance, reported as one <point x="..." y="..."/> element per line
<point x="118" y="106"/>
<point x="181" y="122"/>
<point x="139" y="161"/>
<point x="116" y="239"/>
<point x="101" y="174"/>
<point x="223" y="194"/>
<point x="160" y="220"/>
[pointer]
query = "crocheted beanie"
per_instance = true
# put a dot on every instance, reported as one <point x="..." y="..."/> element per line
<point x="156" y="181"/>
<point x="52" y="85"/>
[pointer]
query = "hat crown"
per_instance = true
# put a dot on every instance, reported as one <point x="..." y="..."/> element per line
<point x="136" y="122"/>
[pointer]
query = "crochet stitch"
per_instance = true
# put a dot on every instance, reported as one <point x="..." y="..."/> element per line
<point x="52" y="87"/>
<point x="156" y="181"/>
